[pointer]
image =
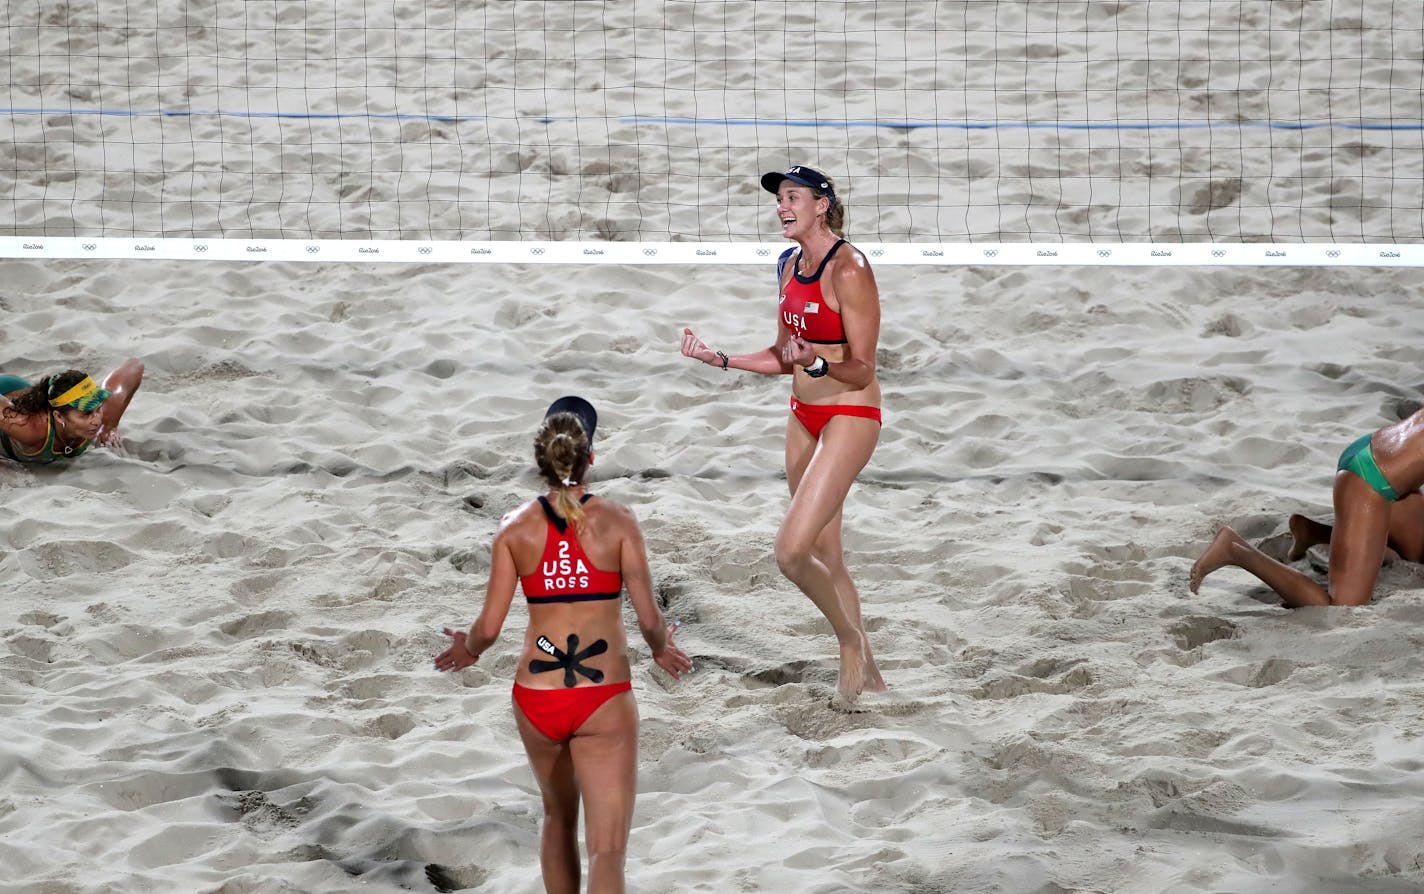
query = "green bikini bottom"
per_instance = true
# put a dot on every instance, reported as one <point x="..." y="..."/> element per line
<point x="1360" y="459"/>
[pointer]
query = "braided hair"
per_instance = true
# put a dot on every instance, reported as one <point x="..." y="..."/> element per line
<point x="562" y="453"/>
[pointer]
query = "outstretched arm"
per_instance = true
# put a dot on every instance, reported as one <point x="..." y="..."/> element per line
<point x="469" y="645"/>
<point x="633" y="562"/>
<point x="121" y="385"/>
<point x="767" y="361"/>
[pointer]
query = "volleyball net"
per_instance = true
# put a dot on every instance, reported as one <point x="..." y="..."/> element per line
<point x="1077" y="123"/>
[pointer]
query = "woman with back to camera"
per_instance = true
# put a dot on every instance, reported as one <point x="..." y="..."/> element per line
<point x="827" y="330"/>
<point x="573" y="554"/>
<point x="62" y="415"/>
<point x="1377" y="505"/>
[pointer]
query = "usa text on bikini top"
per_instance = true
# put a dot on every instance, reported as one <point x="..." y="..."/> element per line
<point x="802" y="308"/>
<point x="565" y="573"/>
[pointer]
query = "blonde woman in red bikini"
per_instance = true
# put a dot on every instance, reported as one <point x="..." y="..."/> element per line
<point x="573" y="554"/>
<point x="827" y="329"/>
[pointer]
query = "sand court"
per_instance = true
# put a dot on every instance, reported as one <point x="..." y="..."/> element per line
<point x="216" y="642"/>
<point x="216" y="655"/>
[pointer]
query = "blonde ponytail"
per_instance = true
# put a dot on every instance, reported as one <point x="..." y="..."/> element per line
<point x="561" y="451"/>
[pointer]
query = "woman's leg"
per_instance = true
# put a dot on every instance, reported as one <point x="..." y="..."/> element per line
<point x="1362" y="526"/>
<point x="1228" y="548"/>
<point x="808" y="546"/>
<point x="1362" y="522"/>
<point x="1406" y="530"/>
<point x="830" y="550"/>
<point x="605" y="758"/>
<point x="553" y="767"/>
<point x="1406" y="526"/>
<point x="1305" y="533"/>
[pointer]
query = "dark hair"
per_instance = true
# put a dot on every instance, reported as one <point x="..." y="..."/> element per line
<point x="35" y="400"/>
<point x="562" y="452"/>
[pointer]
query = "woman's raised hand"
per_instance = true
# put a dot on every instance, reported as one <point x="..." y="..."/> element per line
<point x="696" y="348"/>
<point x="798" y="351"/>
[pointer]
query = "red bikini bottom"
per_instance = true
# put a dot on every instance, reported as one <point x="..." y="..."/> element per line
<point x="815" y="416"/>
<point x="558" y="713"/>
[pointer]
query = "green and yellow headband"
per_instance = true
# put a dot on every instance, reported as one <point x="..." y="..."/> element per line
<point x="84" y="396"/>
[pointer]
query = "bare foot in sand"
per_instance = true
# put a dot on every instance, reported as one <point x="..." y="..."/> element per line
<point x="858" y="671"/>
<point x="1305" y="533"/>
<point x="1215" y="556"/>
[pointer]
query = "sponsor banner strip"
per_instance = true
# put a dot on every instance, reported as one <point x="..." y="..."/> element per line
<point x="887" y="253"/>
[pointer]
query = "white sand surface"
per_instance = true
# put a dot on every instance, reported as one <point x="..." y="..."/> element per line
<point x="215" y="645"/>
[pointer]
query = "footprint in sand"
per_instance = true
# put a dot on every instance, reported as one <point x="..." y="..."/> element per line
<point x="1198" y="631"/>
<point x="780" y="675"/>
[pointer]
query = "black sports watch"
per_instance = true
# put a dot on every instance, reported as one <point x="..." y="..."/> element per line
<point x="818" y="368"/>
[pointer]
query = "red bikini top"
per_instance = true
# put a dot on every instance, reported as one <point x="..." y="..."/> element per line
<point x="565" y="573"/>
<point x="802" y="309"/>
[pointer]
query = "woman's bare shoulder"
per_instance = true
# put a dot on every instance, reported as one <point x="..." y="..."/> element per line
<point x="521" y="520"/>
<point x="25" y="428"/>
<point x="613" y="513"/>
<point x="851" y="262"/>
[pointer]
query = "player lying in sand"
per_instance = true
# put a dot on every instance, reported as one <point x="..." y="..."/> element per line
<point x="60" y="416"/>
<point x="1376" y="507"/>
<point x="573" y="554"/>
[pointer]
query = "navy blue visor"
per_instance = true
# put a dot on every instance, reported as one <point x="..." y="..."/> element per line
<point x="802" y="175"/>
